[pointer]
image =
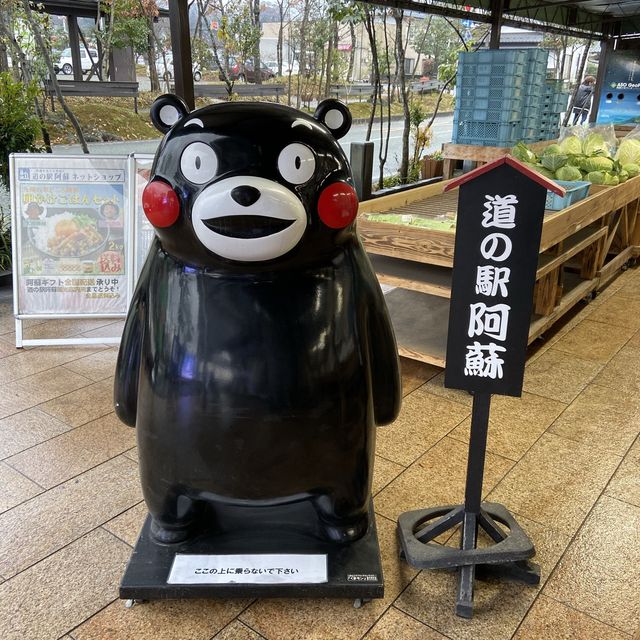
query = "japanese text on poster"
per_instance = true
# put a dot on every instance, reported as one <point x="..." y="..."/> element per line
<point x="70" y="216"/>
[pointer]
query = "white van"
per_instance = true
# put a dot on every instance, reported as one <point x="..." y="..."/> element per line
<point x="65" y="64"/>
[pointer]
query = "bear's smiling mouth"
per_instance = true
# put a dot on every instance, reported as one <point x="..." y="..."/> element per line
<point x="246" y="226"/>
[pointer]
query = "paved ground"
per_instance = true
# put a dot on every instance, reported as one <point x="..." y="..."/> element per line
<point x="565" y="458"/>
<point x="442" y="133"/>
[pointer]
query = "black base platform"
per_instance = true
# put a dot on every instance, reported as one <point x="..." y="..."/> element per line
<point x="352" y="570"/>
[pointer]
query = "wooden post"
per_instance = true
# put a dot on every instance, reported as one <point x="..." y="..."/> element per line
<point x="181" y="48"/>
<point x="496" y="23"/>
<point x="74" y="44"/>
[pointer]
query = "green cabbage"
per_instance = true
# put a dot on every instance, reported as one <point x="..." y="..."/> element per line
<point x="524" y="154"/>
<point x="623" y="176"/>
<point x="629" y="151"/>
<point x="552" y="149"/>
<point x="544" y="171"/>
<point x="595" y="177"/>
<point x="632" y="169"/>
<point x="611" y="180"/>
<point x="597" y="164"/>
<point x="568" y="173"/>
<point x="571" y="145"/>
<point x="594" y="144"/>
<point x="553" y="161"/>
<point x="576" y="161"/>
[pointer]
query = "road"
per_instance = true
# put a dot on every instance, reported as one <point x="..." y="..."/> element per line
<point x="442" y="128"/>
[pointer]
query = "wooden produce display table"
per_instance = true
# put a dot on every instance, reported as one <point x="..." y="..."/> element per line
<point x="582" y="248"/>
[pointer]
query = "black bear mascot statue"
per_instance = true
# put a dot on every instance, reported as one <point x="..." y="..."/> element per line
<point x="258" y="355"/>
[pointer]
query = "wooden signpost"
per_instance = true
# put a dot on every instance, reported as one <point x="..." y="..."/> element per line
<point x="500" y="212"/>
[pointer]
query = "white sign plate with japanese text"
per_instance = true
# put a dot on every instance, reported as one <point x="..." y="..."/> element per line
<point x="291" y="568"/>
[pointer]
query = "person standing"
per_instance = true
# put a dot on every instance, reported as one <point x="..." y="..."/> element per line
<point x="582" y="104"/>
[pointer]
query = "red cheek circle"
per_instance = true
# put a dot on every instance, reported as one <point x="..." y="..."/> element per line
<point x="338" y="205"/>
<point x="160" y="203"/>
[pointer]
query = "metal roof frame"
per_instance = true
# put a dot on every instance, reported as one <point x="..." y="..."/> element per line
<point x="598" y="19"/>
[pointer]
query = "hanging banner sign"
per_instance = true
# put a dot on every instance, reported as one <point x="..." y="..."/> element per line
<point x="71" y="231"/>
<point x="500" y="212"/>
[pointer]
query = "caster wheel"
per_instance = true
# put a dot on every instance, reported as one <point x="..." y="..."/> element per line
<point x="358" y="603"/>
<point x="131" y="602"/>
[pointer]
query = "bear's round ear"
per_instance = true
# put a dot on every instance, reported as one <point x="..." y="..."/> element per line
<point x="334" y="115"/>
<point x="166" y="111"/>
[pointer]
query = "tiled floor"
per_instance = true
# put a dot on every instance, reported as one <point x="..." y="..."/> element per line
<point x="565" y="458"/>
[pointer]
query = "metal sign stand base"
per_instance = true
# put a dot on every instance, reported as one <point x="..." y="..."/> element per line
<point x="354" y="570"/>
<point x="507" y="557"/>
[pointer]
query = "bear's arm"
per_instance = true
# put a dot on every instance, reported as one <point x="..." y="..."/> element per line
<point x="125" y="391"/>
<point x="385" y="367"/>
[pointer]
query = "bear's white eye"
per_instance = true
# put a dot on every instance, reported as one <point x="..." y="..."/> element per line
<point x="296" y="163"/>
<point x="198" y="163"/>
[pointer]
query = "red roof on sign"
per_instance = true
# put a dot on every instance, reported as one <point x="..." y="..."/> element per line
<point x="512" y="162"/>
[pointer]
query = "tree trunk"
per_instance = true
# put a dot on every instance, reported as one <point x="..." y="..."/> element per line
<point x="4" y="58"/>
<point x="106" y="45"/>
<point x="256" y="53"/>
<point x="280" y="36"/>
<point x="151" y="58"/>
<point x="303" y="47"/>
<point x="331" y="54"/>
<point x="35" y="28"/>
<point x="398" y="15"/>
<point x="369" y="25"/>
<point x="352" y="53"/>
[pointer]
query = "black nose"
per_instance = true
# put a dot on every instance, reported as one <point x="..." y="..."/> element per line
<point x="245" y="195"/>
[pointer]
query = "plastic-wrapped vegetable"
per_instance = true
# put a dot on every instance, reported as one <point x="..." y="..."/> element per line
<point x="553" y="161"/>
<point x="597" y="164"/>
<point x="632" y="169"/>
<point x="568" y="173"/>
<point x="571" y="145"/>
<point x="594" y="144"/>
<point x="595" y="177"/>
<point x="629" y="151"/>
<point x="524" y="154"/>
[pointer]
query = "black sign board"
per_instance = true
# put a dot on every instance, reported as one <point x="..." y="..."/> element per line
<point x="500" y="212"/>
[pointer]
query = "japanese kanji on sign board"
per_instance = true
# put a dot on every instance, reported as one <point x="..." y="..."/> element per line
<point x="500" y="215"/>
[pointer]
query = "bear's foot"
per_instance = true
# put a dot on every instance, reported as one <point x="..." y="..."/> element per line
<point x="168" y="536"/>
<point x="344" y="533"/>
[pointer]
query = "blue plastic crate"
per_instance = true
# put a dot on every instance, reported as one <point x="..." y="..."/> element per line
<point x="538" y="54"/>
<point x="485" y="142"/>
<point x="491" y="115"/>
<point x="490" y="68"/>
<point x="490" y="93"/>
<point x="497" y="104"/>
<point x="576" y="191"/>
<point x="494" y="56"/>
<point x="490" y="81"/>
<point x="500" y="132"/>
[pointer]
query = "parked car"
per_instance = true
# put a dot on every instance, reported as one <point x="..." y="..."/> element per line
<point x="168" y="74"/>
<point x="246" y="72"/>
<point x="65" y="64"/>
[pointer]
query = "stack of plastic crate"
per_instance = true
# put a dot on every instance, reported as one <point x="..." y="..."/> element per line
<point x="490" y="97"/>
<point x="555" y="102"/>
<point x="533" y="98"/>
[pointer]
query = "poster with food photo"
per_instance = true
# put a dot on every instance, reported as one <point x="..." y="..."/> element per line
<point x="71" y="220"/>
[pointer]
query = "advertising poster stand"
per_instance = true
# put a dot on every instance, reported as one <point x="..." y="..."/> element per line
<point x="500" y="213"/>
<point x="71" y="230"/>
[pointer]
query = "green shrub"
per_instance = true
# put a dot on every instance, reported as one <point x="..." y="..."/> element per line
<point x="19" y="125"/>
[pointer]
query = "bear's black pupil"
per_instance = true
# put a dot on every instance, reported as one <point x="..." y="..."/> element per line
<point x="198" y="162"/>
<point x="298" y="162"/>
